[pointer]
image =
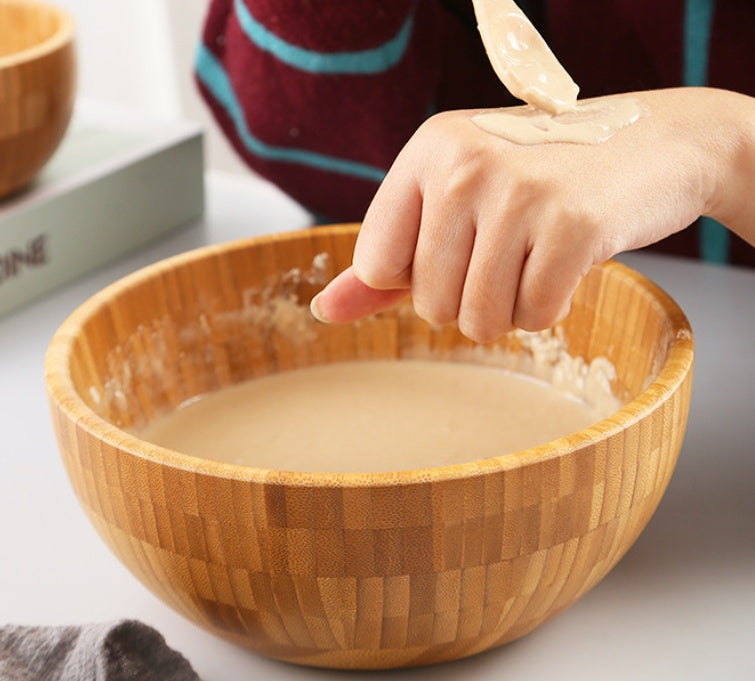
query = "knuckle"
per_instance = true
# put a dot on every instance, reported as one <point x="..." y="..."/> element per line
<point x="540" y="308"/>
<point x="366" y="272"/>
<point x="459" y="159"/>
<point x="591" y="232"/>
<point x="481" y="329"/>
<point x="536" y="319"/>
<point x="587" y="230"/>
<point x="461" y="179"/>
<point x="380" y="274"/>
<point x="434" y="312"/>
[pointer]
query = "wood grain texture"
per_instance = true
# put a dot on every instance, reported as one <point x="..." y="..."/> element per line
<point x="354" y="571"/>
<point x="37" y="87"/>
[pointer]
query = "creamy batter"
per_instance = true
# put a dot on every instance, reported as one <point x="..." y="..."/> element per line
<point x="525" y="64"/>
<point x="372" y="416"/>
<point x="521" y="58"/>
<point x="591" y="122"/>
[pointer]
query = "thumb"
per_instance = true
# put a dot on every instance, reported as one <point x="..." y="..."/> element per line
<point x="347" y="299"/>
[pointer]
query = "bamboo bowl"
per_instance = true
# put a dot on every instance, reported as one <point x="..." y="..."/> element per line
<point x="354" y="570"/>
<point x="37" y="87"/>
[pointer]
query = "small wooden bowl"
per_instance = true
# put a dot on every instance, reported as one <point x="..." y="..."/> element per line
<point x="354" y="570"/>
<point x="37" y="87"/>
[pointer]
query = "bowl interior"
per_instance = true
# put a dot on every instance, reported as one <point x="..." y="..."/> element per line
<point x="26" y="25"/>
<point x="221" y="315"/>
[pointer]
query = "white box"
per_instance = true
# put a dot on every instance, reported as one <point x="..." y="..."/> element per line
<point x="115" y="183"/>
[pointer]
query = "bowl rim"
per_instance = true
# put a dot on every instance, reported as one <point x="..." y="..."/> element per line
<point x="62" y="36"/>
<point x="62" y="394"/>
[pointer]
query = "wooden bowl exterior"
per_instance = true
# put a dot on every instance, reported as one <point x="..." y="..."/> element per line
<point x="355" y="571"/>
<point x="37" y="88"/>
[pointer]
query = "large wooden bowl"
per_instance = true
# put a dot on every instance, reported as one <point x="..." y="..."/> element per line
<point x="354" y="570"/>
<point x="37" y="87"/>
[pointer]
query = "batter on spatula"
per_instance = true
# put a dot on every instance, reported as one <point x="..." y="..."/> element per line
<point x="525" y="64"/>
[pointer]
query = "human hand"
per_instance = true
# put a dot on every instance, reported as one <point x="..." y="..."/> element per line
<point x="496" y="235"/>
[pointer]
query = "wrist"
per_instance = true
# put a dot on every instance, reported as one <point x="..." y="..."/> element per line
<point x="729" y="149"/>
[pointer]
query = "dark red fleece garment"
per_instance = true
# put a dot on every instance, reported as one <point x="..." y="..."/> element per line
<point x="608" y="46"/>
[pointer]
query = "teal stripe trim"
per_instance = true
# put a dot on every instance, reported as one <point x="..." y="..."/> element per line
<point x="213" y="76"/>
<point x="375" y="60"/>
<point x="698" y="19"/>
<point x="714" y="241"/>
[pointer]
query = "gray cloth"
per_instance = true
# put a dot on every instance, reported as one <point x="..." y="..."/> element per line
<point x="113" y="651"/>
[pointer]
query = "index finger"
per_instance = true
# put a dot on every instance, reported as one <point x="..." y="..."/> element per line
<point x="385" y="247"/>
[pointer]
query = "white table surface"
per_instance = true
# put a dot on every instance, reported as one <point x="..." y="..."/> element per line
<point x="680" y="605"/>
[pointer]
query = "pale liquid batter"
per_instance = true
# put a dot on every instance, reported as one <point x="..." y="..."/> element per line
<point x="590" y="122"/>
<point x="372" y="416"/>
<point x="525" y="64"/>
